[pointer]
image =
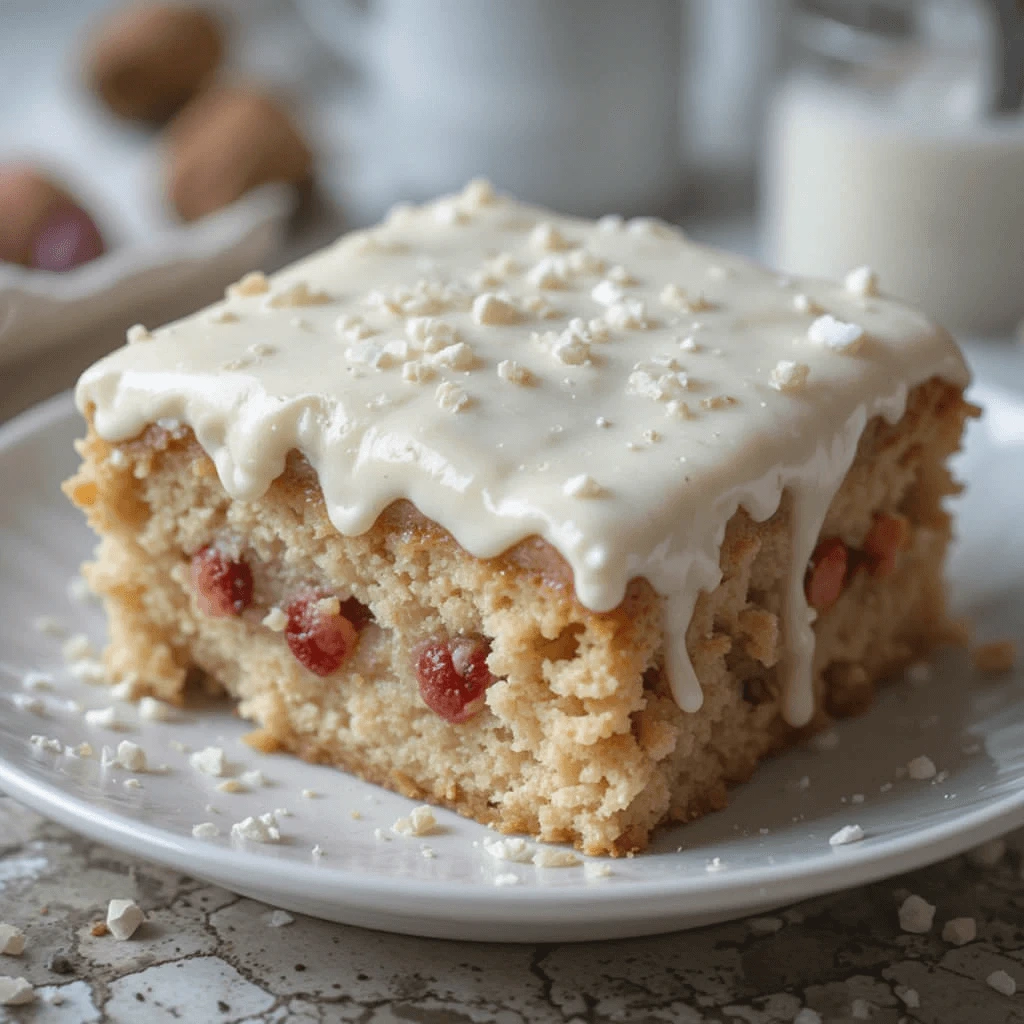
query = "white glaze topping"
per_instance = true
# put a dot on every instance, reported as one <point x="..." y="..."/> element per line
<point x="609" y="386"/>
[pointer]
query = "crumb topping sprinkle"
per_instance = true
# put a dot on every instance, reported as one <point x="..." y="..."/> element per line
<point x="496" y="364"/>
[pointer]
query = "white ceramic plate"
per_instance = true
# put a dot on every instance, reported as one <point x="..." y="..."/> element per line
<point x="771" y="844"/>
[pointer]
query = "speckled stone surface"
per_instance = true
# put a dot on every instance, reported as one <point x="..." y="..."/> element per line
<point x="205" y="954"/>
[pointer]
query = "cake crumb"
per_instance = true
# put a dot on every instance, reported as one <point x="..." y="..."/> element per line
<point x="255" y="283"/>
<point x="916" y="915"/>
<point x="49" y="626"/>
<point x="12" y="940"/>
<point x="76" y="648"/>
<point x="596" y="869"/>
<point x="137" y="333"/>
<point x="506" y="879"/>
<point x="789" y="376"/>
<point x="846" y="835"/>
<point x="317" y="852"/>
<point x="805" y="304"/>
<point x="253" y="777"/>
<point x="310" y="794"/>
<point x="298" y="294"/>
<point x="257" y="830"/>
<point x="451" y="397"/>
<point x="552" y="857"/>
<point x="130" y="756"/>
<point x="908" y="996"/>
<point x="862" y="281"/>
<point x="132" y="784"/>
<point x="125" y="689"/>
<point x="36" y="681"/>
<point x="427" y="852"/>
<point x="959" y="931"/>
<point x="860" y="1009"/>
<point x="583" y="486"/>
<point x="48" y="743"/>
<point x="1002" y="982"/>
<point x="154" y="710"/>
<point x="106" y="718"/>
<point x="515" y="373"/>
<point x="995" y="658"/>
<point x="205" y="830"/>
<point x="124" y="918"/>
<point x="546" y="236"/>
<point x="492" y="310"/>
<point x="209" y="761"/>
<point x="836" y="335"/>
<point x="921" y="768"/>
<point x="230" y="786"/>
<point x="279" y="919"/>
<point x="420" y="822"/>
<point x="275" y="620"/>
<point x="512" y="848"/>
<point x="15" y="992"/>
<point x="29" y="702"/>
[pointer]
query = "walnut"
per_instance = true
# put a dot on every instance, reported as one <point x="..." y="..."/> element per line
<point x="227" y="142"/>
<point x="146" y="62"/>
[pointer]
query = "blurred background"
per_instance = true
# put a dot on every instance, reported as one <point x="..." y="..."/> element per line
<point x="151" y="153"/>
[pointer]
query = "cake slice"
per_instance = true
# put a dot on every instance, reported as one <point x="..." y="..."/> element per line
<point x="562" y="524"/>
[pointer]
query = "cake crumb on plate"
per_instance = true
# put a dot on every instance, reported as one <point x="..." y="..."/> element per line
<point x="916" y="915"/>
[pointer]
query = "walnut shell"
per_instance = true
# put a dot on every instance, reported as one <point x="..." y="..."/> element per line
<point x="226" y="142"/>
<point x="146" y="62"/>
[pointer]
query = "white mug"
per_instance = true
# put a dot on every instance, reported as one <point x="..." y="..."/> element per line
<point x="569" y="103"/>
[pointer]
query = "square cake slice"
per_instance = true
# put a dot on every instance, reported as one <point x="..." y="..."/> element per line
<point x="562" y="524"/>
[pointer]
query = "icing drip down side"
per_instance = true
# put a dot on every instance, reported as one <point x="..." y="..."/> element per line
<point x="607" y="386"/>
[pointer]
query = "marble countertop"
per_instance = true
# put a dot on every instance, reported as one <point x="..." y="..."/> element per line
<point x="205" y="954"/>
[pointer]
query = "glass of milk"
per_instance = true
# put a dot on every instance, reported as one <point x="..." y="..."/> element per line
<point x="881" y="149"/>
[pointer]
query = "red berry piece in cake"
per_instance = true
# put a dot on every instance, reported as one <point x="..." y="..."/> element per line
<point x="453" y="676"/>
<point x="826" y="575"/>
<point x="886" y="538"/>
<point x="223" y="587"/>
<point x="318" y="634"/>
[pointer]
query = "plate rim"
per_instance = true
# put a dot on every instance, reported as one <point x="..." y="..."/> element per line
<point x="660" y="901"/>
